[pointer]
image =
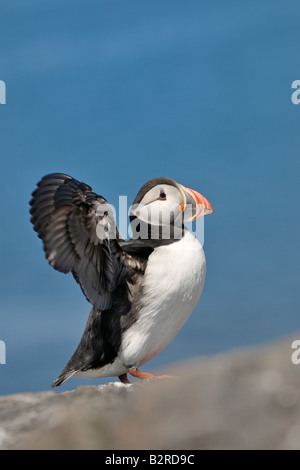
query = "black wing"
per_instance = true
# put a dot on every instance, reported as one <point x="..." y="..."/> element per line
<point x="79" y="235"/>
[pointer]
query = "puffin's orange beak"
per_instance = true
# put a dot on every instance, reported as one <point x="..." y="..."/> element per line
<point x="195" y="205"/>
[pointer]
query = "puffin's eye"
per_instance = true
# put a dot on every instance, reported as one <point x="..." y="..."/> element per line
<point x="162" y="195"/>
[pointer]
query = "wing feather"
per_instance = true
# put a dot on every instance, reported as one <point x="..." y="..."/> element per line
<point x="65" y="214"/>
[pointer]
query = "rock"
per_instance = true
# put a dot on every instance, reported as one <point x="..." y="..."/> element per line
<point x="246" y="399"/>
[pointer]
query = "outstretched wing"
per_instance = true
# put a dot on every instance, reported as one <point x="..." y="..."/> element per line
<point x="79" y="235"/>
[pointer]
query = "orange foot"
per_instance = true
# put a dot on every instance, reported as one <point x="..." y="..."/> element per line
<point x="124" y="379"/>
<point x="146" y="375"/>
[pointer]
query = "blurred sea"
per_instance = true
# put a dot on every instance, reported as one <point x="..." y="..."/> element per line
<point x="116" y="93"/>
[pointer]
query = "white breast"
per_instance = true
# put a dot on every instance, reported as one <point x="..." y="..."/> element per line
<point x="173" y="283"/>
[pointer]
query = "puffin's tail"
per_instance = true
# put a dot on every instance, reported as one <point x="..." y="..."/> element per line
<point x="64" y="376"/>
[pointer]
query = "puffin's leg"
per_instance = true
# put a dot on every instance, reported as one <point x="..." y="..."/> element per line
<point x="124" y="379"/>
<point x="146" y="375"/>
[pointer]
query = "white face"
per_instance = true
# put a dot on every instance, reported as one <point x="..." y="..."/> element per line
<point x="160" y="206"/>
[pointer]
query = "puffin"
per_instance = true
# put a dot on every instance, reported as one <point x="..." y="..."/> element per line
<point x="142" y="290"/>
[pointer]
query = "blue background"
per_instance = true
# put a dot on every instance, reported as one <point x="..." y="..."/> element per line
<point x="117" y="92"/>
